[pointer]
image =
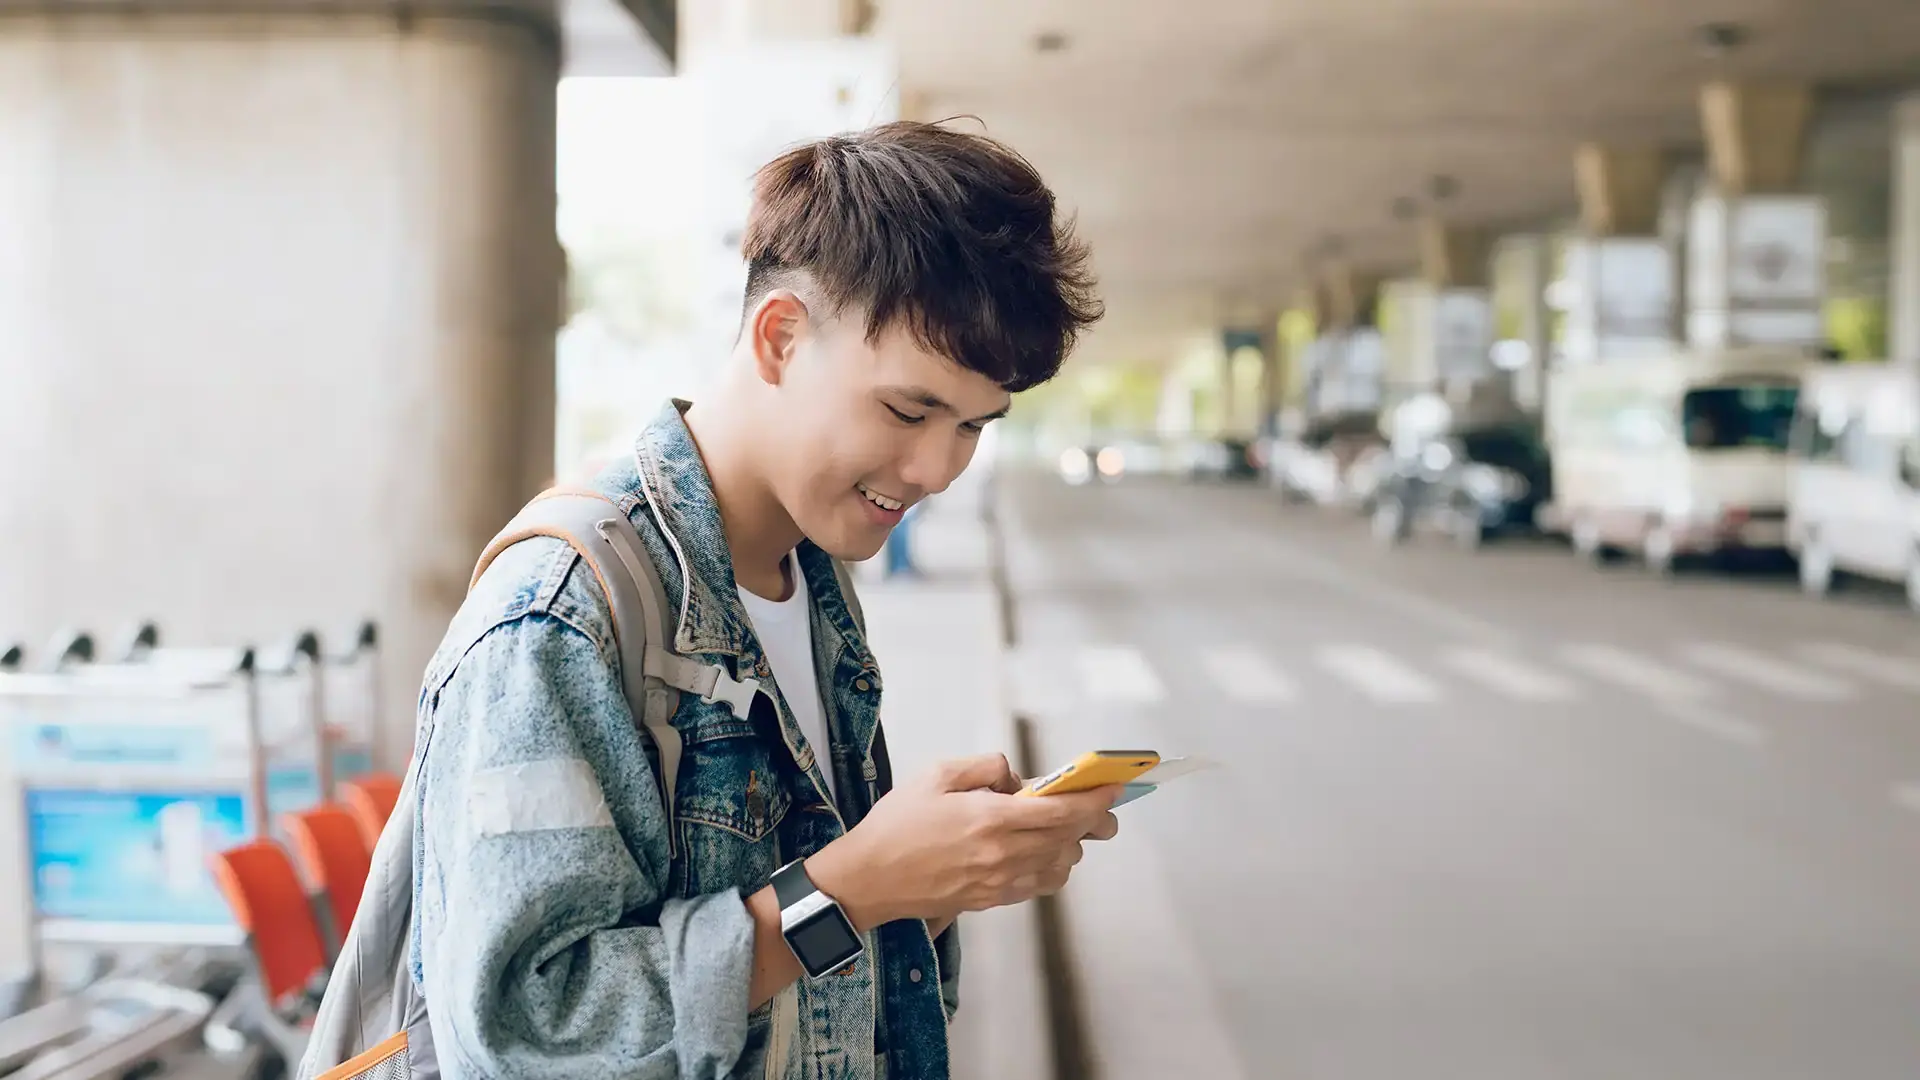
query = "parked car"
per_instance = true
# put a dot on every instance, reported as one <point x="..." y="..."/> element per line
<point x="1680" y="457"/>
<point x="1853" y="503"/>
<point x="1323" y="461"/>
<point x="1472" y="485"/>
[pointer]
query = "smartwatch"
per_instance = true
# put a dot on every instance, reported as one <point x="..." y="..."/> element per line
<point x="819" y="933"/>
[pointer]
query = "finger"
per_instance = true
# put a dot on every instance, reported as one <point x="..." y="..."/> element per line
<point x="1052" y="882"/>
<point x="1106" y="828"/>
<point x="1010" y="784"/>
<point x="1021" y="890"/>
<point x="1077" y="810"/>
<point x="971" y="774"/>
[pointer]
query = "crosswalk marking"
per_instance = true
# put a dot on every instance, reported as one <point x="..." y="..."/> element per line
<point x="1510" y="675"/>
<point x="1120" y="674"/>
<point x="1377" y="674"/>
<point x="1626" y="669"/>
<point x="1244" y="675"/>
<point x="1693" y="673"/>
<point x="1768" y="673"/>
<point x="1894" y="671"/>
<point x="1703" y="717"/>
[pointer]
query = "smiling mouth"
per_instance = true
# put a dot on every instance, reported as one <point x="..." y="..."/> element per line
<point x="880" y="500"/>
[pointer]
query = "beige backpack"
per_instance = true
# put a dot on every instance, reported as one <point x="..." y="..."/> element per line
<point x="372" y="1021"/>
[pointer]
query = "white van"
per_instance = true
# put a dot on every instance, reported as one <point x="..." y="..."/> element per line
<point x="1675" y="456"/>
<point x="1855" y="500"/>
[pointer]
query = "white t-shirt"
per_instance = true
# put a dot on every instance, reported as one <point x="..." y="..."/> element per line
<point x="785" y="630"/>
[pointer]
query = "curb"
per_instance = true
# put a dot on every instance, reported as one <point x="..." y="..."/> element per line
<point x="1066" y="1032"/>
<point x="1060" y="986"/>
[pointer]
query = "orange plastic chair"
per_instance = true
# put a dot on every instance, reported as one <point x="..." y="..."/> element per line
<point x="329" y="845"/>
<point x="270" y="904"/>
<point x="371" y="798"/>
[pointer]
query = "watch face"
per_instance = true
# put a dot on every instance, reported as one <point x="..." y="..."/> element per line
<point x="824" y="942"/>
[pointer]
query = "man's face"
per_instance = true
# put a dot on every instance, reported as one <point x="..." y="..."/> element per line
<point x="867" y="429"/>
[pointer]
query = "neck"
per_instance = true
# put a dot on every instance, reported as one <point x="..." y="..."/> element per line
<point x="759" y="531"/>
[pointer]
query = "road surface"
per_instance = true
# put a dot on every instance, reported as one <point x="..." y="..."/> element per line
<point x="1498" y="815"/>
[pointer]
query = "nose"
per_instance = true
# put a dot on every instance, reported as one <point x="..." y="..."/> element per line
<point x="935" y="459"/>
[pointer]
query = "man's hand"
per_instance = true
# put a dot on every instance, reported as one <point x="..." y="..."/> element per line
<point x="957" y="840"/>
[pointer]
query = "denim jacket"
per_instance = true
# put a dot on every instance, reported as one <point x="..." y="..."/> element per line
<point x="556" y="932"/>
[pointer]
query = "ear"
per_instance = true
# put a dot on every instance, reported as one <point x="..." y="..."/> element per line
<point x="774" y="329"/>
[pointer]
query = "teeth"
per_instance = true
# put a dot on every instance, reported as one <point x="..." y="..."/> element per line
<point x="881" y="501"/>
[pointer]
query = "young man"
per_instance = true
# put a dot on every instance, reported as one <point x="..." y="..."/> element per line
<point x="903" y="284"/>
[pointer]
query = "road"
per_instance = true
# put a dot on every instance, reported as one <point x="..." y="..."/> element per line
<point x="1498" y="815"/>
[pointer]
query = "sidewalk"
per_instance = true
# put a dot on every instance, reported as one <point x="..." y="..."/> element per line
<point x="1145" y="1002"/>
<point x="938" y="642"/>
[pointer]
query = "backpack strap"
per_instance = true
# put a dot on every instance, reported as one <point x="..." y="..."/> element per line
<point x="651" y="673"/>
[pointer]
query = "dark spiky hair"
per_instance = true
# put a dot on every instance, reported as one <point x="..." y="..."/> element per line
<point x="951" y="235"/>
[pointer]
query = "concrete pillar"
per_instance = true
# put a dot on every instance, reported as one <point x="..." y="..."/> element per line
<point x="1619" y="273"/>
<point x="1756" y="252"/>
<point x="1407" y="330"/>
<point x="1242" y="376"/>
<point x="1350" y="295"/>
<point x="1756" y="134"/>
<point x="1454" y="256"/>
<point x="1522" y="267"/>
<point x="1457" y="262"/>
<point x="1273" y="373"/>
<point x="1619" y="188"/>
<point x="1299" y="325"/>
<point x="1350" y="354"/>
<point x="1904" y="339"/>
<point x="277" y="309"/>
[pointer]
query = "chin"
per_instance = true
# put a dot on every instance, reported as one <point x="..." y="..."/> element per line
<point x="848" y="544"/>
<point x="849" y="549"/>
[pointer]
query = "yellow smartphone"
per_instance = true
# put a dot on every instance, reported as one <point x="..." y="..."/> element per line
<point x="1094" y="769"/>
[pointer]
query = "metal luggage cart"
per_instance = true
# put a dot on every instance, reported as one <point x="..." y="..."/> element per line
<point x="352" y="706"/>
<point x="128" y="1024"/>
<point x="117" y="783"/>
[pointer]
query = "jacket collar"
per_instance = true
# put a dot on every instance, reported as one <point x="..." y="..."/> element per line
<point x="676" y="486"/>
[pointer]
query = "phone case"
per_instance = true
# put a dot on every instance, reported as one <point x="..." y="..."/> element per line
<point x="1100" y="768"/>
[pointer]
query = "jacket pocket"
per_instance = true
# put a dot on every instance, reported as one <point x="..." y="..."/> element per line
<point x="731" y="801"/>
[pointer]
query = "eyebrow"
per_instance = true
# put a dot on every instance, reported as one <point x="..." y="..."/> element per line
<point x="930" y="400"/>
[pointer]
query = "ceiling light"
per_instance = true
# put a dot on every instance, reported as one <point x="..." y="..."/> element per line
<point x="1051" y="41"/>
<point x="1719" y="38"/>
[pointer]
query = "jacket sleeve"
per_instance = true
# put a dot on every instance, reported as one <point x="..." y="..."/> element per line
<point x="542" y="942"/>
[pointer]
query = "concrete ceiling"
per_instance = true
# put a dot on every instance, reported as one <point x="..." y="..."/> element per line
<point x="1209" y="146"/>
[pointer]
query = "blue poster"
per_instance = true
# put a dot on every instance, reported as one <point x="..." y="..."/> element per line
<point x="131" y="858"/>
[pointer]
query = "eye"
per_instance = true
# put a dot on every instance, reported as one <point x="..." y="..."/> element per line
<point x="974" y="427"/>
<point x="903" y="417"/>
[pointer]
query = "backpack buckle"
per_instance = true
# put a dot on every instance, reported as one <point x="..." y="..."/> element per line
<point x="738" y="694"/>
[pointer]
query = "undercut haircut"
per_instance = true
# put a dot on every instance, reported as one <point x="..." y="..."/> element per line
<point x="953" y="236"/>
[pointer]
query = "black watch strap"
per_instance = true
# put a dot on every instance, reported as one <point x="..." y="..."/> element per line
<point x="791" y="884"/>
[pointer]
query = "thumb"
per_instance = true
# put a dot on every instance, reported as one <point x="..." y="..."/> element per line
<point x="974" y="773"/>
